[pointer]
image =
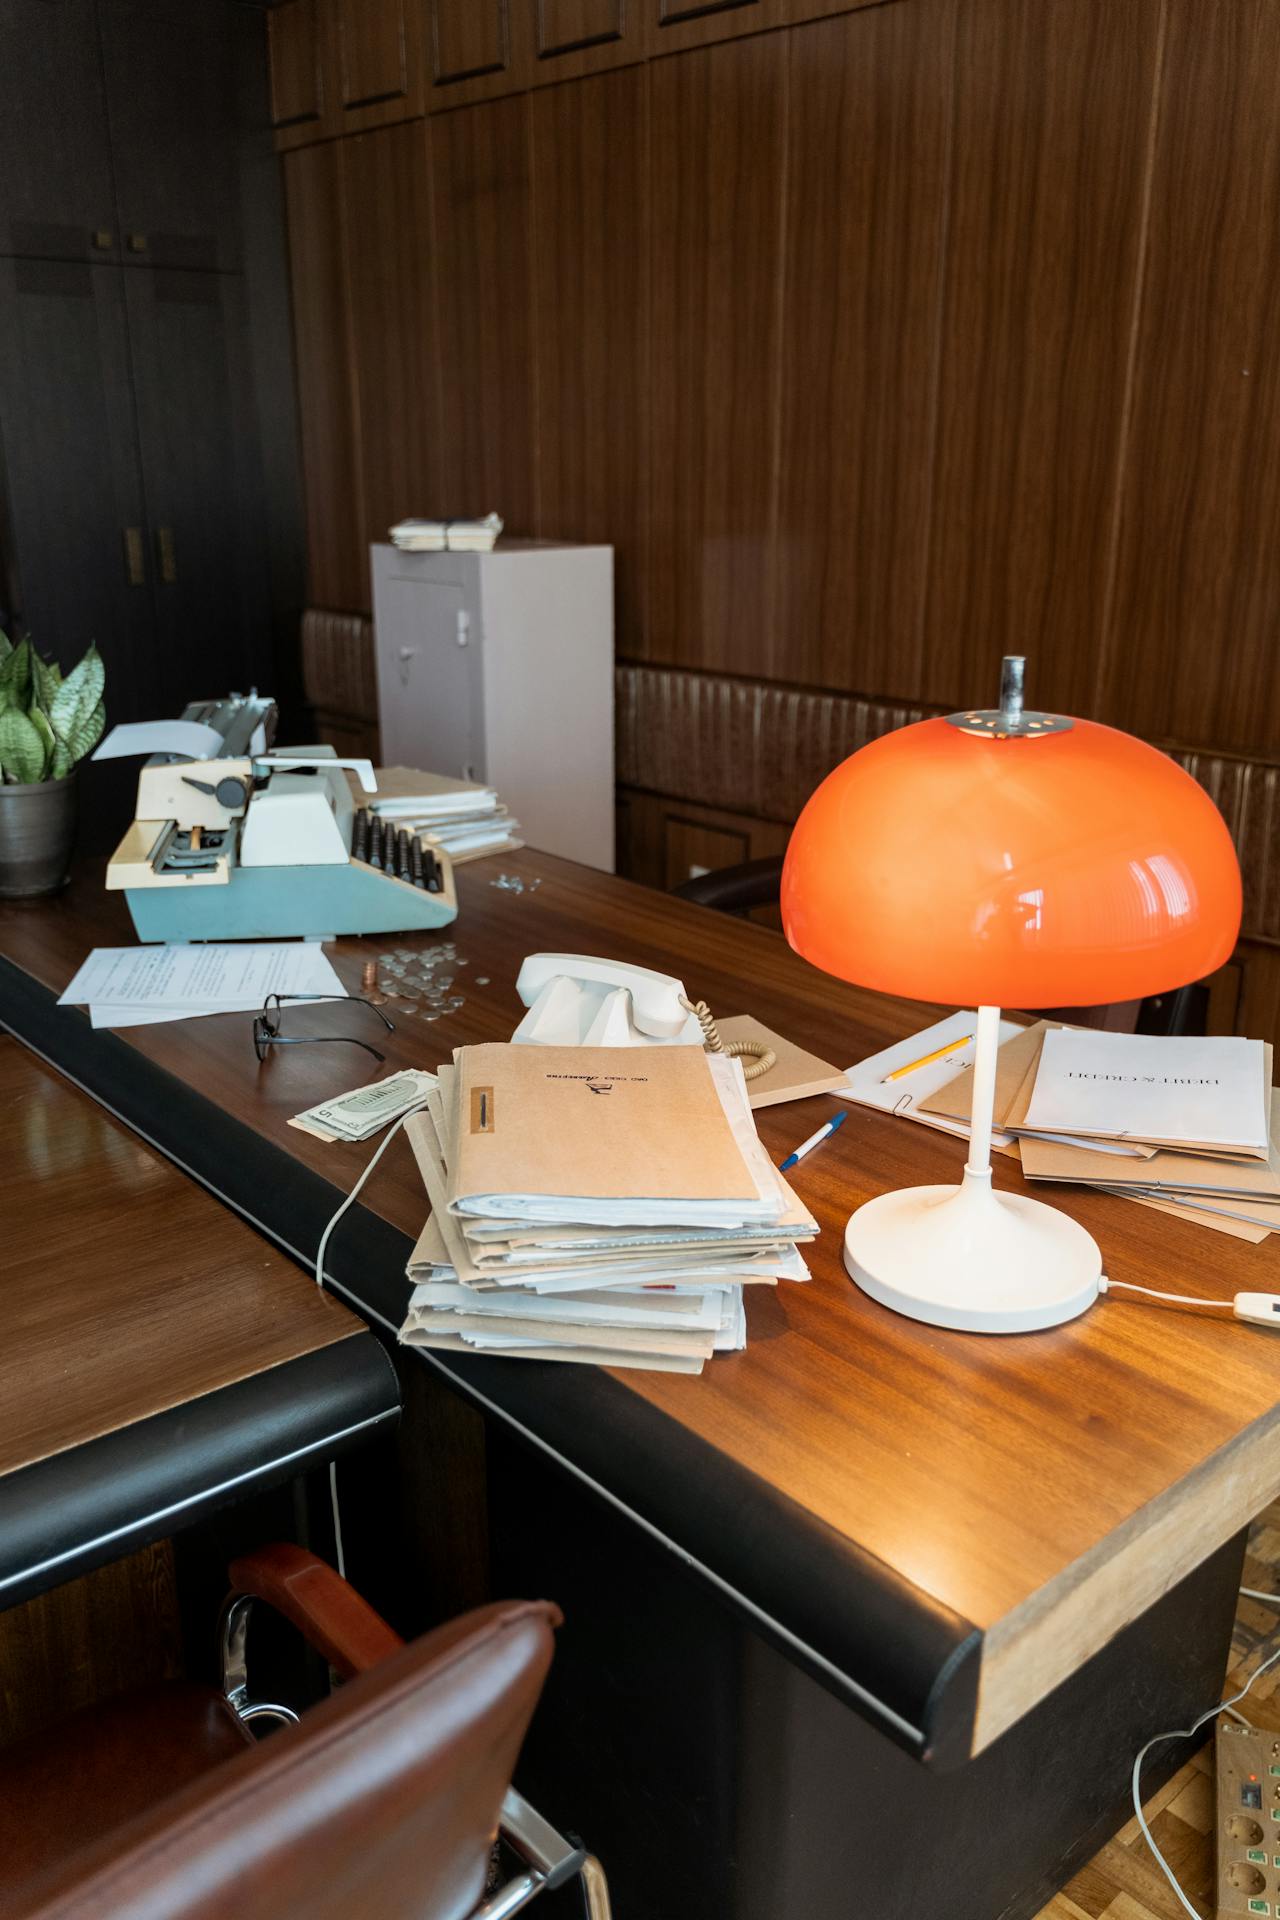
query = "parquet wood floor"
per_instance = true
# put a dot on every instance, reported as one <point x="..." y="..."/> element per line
<point x="1123" y="1882"/>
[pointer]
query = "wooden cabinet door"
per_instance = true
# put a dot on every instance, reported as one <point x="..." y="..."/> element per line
<point x="55" y="175"/>
<point x="574" y="37"/>
<point x="476" y="49"/>
<point x="172" y="77"/>
<point x="696" y="23"/>
<point x="298" y="45"/>
<point x="337" y="569"/>
<point x="196" y="436"/>
<point x="378" y="61"/>
<point x="70" y="488"/>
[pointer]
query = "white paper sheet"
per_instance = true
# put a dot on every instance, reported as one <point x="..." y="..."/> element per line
<point x="191" y="738"/>
<point x="181" y="981"/>
<point x="1211" y="1091"/>
<point x="109" y="1016"/>
<point x="902" y="1097"/>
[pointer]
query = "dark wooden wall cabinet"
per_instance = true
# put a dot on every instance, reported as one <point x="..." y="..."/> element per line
<point x="878" y="340"/>
<point x="131" y="458"/>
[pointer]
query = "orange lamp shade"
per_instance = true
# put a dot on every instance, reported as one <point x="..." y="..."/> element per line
<point x="1068" y="869"/>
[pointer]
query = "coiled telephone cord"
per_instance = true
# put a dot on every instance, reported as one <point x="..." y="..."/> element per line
<point x="763" y="1057"/>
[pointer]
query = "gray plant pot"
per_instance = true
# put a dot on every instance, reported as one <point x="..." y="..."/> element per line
<point x="37" y="834"/>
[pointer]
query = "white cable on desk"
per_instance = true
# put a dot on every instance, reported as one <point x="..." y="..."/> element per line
<point x="1106" y="1285"/>
<point x="321" y="1250"/>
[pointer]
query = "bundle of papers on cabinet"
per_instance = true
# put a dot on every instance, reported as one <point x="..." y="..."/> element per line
<point x="597" y="1205"/>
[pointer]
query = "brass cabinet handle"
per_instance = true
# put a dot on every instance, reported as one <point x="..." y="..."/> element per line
<point x="103" y="239"/>
<point x="137" y="243"/>
<point x="134" y="561"/>
<point x="166" y="561"/>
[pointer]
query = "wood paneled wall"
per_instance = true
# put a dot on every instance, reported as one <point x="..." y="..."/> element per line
<point x="878" y="345"/>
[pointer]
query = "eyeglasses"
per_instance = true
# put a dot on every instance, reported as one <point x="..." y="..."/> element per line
<point x="266" y="1025"/>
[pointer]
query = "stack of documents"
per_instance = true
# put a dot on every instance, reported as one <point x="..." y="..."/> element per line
<point x="1189" y="1125"/>
<point x="140" y="986"/>
<point x="463" y="818"/>
<point x="595" y="1204"/>
<point x="457" y="536"/>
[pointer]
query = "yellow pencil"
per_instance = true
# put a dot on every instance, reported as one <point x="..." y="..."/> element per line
<point x="937" y="1054"/>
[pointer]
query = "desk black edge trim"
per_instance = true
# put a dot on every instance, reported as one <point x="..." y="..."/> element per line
<point x="900" y="1658"/>
<point x="79" y="1509"/>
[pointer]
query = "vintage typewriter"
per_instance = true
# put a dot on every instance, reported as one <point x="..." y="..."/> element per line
<point x="253" y="842"/>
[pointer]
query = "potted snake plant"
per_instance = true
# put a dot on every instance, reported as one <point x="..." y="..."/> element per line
<point x="47" y="724"/>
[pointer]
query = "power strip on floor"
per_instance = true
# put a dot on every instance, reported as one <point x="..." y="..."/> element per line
<point x="1247" y="1831"/>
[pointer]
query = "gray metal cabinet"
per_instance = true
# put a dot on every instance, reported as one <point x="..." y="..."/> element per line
<point x="498" y="667"/>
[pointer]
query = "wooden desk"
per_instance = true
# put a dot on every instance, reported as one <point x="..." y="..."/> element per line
<point x="941" y="1529"/>
<point x="155" y="1347"/>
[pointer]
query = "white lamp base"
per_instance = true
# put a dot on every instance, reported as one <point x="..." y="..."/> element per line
<point x="969" y="1258"/>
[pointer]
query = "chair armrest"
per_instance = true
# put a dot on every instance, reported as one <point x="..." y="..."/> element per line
<point x="329" y="1614"/>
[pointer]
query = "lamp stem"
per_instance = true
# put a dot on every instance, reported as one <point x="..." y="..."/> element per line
<point x="984" y="1091"/>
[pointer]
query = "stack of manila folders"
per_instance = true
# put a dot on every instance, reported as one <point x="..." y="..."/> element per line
<point x="460" y="816"/>
<point x="595" y="1204"/>
<point x="1187" y="1125"/>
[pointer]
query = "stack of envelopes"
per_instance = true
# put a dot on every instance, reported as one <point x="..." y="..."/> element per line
<point x="601" y="1204"/>
<point x="1185" y="1124"/>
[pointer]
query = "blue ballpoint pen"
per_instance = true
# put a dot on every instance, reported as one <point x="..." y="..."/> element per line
<point x="807" y="1146"/>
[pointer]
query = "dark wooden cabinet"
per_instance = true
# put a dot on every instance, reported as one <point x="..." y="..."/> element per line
<point x="342" y="66"/>
<point x="55" y="176"/>
<point x="171" y="74"/>
<point x="74" y="512"/>
<point x="298" y="44"/>
<point x="570" y="26"/>
<point x="476" y="49"/>
<point x="572" y="38"/>
<point x="131" y="487"/>
<point x="378" y="61"/>
<point x="188" y="334"/>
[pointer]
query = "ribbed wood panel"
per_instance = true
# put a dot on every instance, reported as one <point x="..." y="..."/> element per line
<point x="760" y="750"/>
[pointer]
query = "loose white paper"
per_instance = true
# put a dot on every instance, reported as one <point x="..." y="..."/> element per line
<point x="191" y="738"/>
<point x="180" y="981"/>
<point x="902" y="1097"/>
<point x="126" y="1016"/>
<point x="1211" y="1092"/>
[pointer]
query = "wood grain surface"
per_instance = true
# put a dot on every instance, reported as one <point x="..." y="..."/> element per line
<point x="394" y="385"/>
<point x="889" y="341"/>
<point x="480" y="168"/>
<point x="127" y="1289"/>
<point x="1047" y="1487"/>
<point x="327" y="422"/>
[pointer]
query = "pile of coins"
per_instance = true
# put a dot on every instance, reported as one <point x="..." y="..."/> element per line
<point x="512" y="883"/>
<point x="416" y="982"/>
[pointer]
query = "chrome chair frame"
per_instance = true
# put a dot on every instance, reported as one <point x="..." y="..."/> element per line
<point x="549" y="1859"/>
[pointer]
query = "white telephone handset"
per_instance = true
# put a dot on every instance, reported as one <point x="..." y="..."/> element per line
<point x="577" y="1001"/>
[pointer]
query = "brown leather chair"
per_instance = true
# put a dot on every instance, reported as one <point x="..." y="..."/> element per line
<point x="385" y="1800"/>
